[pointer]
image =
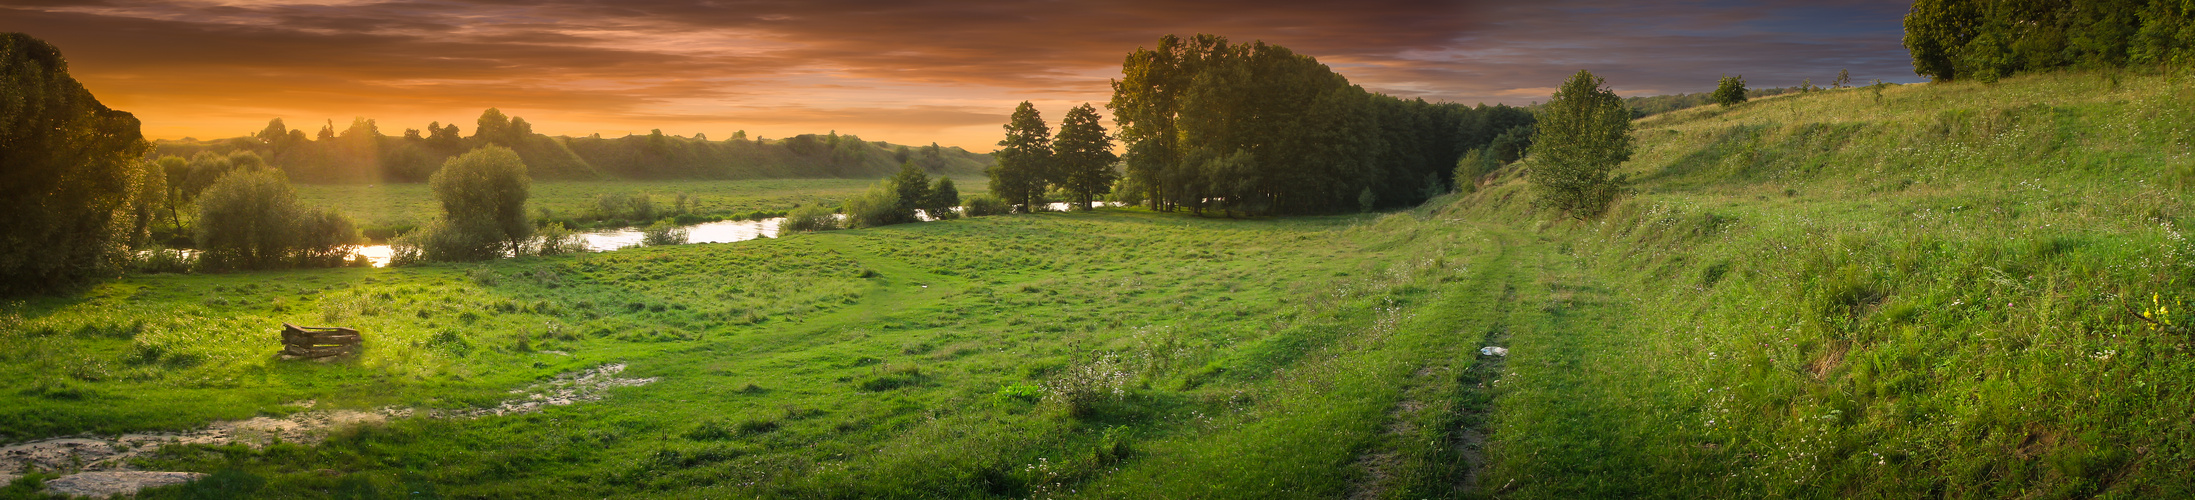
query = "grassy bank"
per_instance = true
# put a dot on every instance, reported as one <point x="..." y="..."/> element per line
<point x="1926" y="293"/>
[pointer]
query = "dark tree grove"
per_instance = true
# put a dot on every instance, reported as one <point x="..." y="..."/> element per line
<point x="1988" y="39"/>
<point x="1258" y="129"/>
<point x="66" y="165"/>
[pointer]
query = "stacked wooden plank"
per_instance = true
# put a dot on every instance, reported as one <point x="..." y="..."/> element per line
<point x="318" y="342"/>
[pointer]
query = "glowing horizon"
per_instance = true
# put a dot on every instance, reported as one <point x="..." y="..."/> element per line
<point x="903" y="72"/>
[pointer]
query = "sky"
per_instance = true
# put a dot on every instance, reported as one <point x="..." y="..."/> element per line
<point x="903" y="71"/>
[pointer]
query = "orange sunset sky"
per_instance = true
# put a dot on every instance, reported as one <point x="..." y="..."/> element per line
<point x="908" y="72"/>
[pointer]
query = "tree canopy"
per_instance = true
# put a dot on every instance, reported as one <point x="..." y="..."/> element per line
<point x="1025" y="159"/>
<point x="1985" y="40"/>
<point x="1084" y="156"/>
<point x="1584" y="133"/>
<point x="1256" y="128"/>
<point x="66" y="162"/>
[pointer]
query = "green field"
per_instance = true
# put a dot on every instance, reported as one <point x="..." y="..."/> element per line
<point x="1930" y="291"/>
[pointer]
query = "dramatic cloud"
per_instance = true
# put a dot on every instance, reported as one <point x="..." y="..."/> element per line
<point x="908" y="71"/>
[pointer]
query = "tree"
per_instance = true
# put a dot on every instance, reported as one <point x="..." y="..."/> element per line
<point x="1844" y="79"/>
<point x="943" y="199"/>
<point x="148" y="194"/>
<point x="1084" y="155"/>
<point x="912" y="190"/>
<point x="1024" y="159"/>
<point x="247" y="219"/>
<point x="1730" y="91"/>
<point x="65" y="169"/>
<point x="1584" y="133"/>
<point x="251" y="219"/>
<point x="483" y="195"/>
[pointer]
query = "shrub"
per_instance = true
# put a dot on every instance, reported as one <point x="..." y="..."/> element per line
<point x="982" y="205"/>
<point x="878" y="207"/>
<point x="556" y="239"/>
<point x="663" y="232"/>
<point x="1730" y="91"/>
<point x="1082" y="388"/>
<point x="810" y="218"/>
<point x="439" y="241"/>
<point x="251" y="219"/>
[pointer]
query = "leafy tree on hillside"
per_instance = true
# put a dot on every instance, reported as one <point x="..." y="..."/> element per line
<point x="1084" y="156"/>
<point x="65" y="169"/>
<point x="932" y="158"/>
<point x="1844" y="79"/>
<point x="483" y="195"/>
<point x="1024" y="159"/>
<point x="1730" y="91"/>
<point x="1584" y="133"/>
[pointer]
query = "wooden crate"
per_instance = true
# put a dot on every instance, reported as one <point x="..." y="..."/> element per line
<point x="314" y="342"/>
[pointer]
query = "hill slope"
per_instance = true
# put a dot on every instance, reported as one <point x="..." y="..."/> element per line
<point x="1930" y="290"/>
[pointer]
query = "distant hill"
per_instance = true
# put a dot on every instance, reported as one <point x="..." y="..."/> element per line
<point x="361" y="153"/>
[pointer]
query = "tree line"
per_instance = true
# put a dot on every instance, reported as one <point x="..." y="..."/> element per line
<point x="1258" y="129"/>
<point x="362" y="152"/>
<point x="1986" y="40"/>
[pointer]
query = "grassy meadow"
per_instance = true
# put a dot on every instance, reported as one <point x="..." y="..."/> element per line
<point x="1905" y="291"/>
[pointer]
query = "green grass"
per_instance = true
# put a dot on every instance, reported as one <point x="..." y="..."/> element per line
<point x="1827" y="295"/>
<point x="916" y="360"/>
<point x="1818" y="295"/>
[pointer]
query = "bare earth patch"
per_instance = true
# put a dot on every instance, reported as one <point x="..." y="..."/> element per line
<point x="100" y="464"/>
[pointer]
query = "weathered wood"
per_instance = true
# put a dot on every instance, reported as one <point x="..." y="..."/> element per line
<point x="319" y="341"/>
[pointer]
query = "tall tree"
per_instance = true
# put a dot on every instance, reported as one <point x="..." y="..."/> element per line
<point x="65" y="167"/>
<point x="1024" y="159"/>
<point x="1584" y="133"/>
<point x="1084" y="155"/>
<point x="483" y="194"/>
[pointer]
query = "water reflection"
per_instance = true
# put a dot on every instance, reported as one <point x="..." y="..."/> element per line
<point x="707" y="232"/>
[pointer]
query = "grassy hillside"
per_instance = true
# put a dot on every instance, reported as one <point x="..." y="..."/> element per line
<point x="1840" y="294"/>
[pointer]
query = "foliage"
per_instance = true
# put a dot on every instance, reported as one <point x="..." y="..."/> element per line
<point x="363" y="153"/>
<point x="251" y="219"/>
<point x="943" y="202"/>
<point x="66" y="164"/>
<point x="1084" y="156"/>
<point x="912" y="189"/>
<point x="483" y="195"/>
<point x="663" y="232"/>
<point x="1985" y="41"/>
<point x="1584" y="133"/>
<point x="984" y="204"/>
<point x="555" y="239"/>
<point x="1730" y="91"/>
<point x="1025" y="162"/>
<point x="810" y="218"/>
<point x="878" y="207"/>
<point x="1311" y="142"/>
